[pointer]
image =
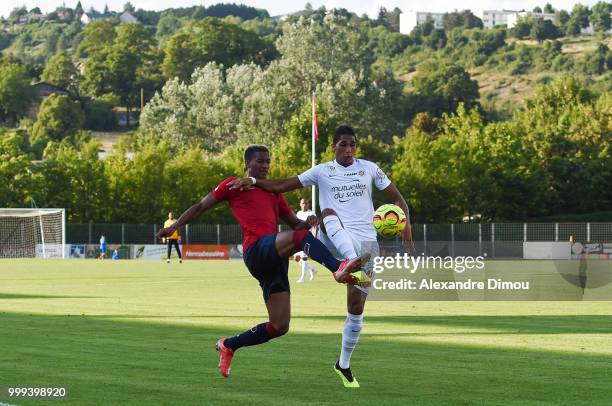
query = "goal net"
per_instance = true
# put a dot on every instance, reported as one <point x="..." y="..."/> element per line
<point x="33" y="233"/>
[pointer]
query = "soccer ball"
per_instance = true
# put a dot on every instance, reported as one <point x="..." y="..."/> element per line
<point x="389" y="220"/>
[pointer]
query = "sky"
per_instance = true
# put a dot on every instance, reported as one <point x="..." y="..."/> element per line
<point x="276" y="7"/>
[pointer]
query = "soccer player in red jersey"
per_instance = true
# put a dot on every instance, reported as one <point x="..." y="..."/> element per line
<point x="266" y="251"/>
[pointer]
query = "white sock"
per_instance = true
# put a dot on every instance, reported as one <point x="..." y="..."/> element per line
<point x="312" y="270"/>
<point x="350" y="337"/>
<point x="303" y="275"/>
<point x="339" y="236"/>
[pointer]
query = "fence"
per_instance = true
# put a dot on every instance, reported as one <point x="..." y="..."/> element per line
<point x="489" y="233"/>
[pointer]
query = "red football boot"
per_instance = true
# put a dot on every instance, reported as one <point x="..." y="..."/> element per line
<point x="225" y="357"/>
<point x="345" y="271"/>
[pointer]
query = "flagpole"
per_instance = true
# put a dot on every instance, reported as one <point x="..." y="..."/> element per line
<point x="314" y="129"/>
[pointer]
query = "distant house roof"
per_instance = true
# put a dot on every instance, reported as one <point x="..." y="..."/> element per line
<point x="31" y="17"/>
<point x="127" y="17"/>
<point x="93" y="15"/>
<point x="44" y="89"/>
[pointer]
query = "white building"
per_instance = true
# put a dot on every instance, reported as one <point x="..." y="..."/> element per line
<point x="513" y="18"/>
<point x="128" y="18"/>
<point x="92" y="15"/>
<point x="125" y="17"/>
<point x="493" y="18"/>
<point x="411" y="19"/>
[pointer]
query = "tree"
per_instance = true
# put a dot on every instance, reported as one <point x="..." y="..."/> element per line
<point x="543" y="29"/>
<point x="600" y="16"/>
<point x="249" y="104"/>
<point x="16" y="93"/>
<point x="62" y="43"/>
<point x="168" y="25"/>
<point x="129" y="7"/>
<point x="18" y="183"/>
<point x="124" y="67"/>
<point x="212" y="40"/>
<point x="99" y="114"/>
<point x="96" y="36"/>
<point x="16" y="13"/>
<point x="59" y="117"/>
<point x="132" y="63"/>
<point x="548" y="9"/>
<point x="596" y="62"/>
<point x="132" y="182"/>
<point x="385" y="43"/>
<point x="579" y="19"/>
<point x="537" y="9"/>
<point x="191" y="174"/>
<point x="74" y="177"/>
<point x="569" y="131"/>
<point x="61" y="71"/>
<point x="334" y="59"/>
<point x="436" y="39"/>
<point x="242" y="11"/>
<point x="203" y="113"/>
<point x="463" y="19"/>
<point x="78" y="11"/>
<point x="452" y="20"/>
<point x="440" y="87"/>
<point x="522" y="28"/>
<point x="382" y="17"/>
<point x="561" y="19"/>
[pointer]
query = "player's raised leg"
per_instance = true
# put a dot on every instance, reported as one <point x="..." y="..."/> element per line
<point x="290" y="242"/>
<point x="333" y="227"/>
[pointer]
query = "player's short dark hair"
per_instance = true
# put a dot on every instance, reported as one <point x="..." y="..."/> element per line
<point x="343" y="130"/>
<point x="252" y="149"/>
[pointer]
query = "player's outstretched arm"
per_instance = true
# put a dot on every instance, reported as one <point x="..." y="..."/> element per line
<point x="189" y="215"/>
<point x="396" y="197"/>
<point x="271" y="185"/>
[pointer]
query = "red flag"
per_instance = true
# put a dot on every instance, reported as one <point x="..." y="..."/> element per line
<point x="315" y="128"/>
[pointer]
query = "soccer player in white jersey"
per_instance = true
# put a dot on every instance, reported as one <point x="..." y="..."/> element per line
<point x="345" y="199"/>
<point x="301" y="257"/>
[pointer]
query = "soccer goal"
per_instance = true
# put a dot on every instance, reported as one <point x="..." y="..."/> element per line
<point x="33" y="233"/>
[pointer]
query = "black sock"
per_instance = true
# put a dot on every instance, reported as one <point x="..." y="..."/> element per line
<point x="316" y="250"/>
<point x="257" y="335"/>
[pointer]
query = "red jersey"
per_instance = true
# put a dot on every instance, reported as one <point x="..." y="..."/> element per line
<point x="256" y="210"/>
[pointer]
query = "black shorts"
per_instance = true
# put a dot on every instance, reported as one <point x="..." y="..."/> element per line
<point x="267" y="266"/>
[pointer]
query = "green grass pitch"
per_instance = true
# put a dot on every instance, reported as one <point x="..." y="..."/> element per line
<point x="143" y="332"/>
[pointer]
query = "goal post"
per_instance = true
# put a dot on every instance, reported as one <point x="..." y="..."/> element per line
<point x="32" y="233"/>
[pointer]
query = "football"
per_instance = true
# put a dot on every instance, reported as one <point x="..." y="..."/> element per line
<point x="389" y="220"/>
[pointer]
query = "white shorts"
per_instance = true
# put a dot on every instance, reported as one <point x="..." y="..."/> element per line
<point x="360" y="247"/>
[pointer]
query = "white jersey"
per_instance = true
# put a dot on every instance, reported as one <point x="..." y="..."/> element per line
<point x="303" y="215"/>
<point x="348" y="191"/>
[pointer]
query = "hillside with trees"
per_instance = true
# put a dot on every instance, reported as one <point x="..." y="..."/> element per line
<point x="498" y="124"/>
